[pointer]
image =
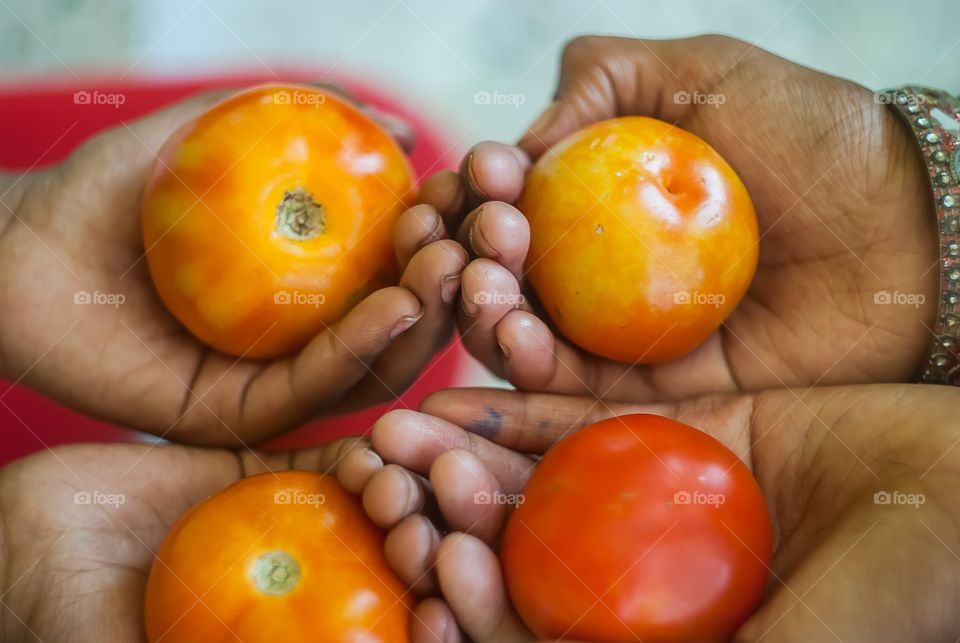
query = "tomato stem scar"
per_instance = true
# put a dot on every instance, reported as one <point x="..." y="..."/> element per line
<point x="275" y="573"/>
<point x="299" y="216"/>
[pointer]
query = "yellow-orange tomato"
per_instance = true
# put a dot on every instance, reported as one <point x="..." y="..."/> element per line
<point x="270" y="215"/>
<point x="277" y="557"/>
<point x="643" y="239"/>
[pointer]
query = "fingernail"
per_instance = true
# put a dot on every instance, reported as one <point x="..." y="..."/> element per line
<point x="476" y="236"/>
<point x="472" y="177"/>
<point x="449" y="285"/>
<point x="435" y="222"/>
<point x="505" y="351"/>
<point x="542" y="123"/>
<point x="414" y="500"/>
<point x="405" y="323"/>
<point x="471" y="308"/>
<point x="374" y="461"/>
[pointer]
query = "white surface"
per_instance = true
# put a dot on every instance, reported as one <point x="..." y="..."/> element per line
<point x="440" y="53"/>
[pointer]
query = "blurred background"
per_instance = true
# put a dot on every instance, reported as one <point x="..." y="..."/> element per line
<point x="437" y="55"/>
<point x="461" y="72"/>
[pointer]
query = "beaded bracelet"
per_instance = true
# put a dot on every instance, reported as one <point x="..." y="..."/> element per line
<point x="934" y="118"/>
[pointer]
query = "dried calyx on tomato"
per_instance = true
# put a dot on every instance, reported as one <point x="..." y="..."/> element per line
<point x="270" y="215"/>
<point x="285" y="556"/>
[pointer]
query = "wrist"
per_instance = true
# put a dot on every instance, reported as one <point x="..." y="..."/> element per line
<point x="7" y="630"/>
<point x="932" y="119"/>
<point x="12" y="189"/>
<point x="11" y="198"/>
<point x="17" y="585"/>
<point x="921" y="278"/>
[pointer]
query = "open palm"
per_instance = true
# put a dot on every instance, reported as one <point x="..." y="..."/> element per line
<point x="82" y="523"/>
<point x="862" y="503"/>
<point x="847" y="279"/>
<point x="83" y="323"/>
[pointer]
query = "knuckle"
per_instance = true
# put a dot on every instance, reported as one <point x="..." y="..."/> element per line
<point x="722" y="44"/>
<point x="583" y="48"/>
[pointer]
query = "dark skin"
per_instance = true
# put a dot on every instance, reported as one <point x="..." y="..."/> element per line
<point x="841" y="195"/>
<point x="76" y="227"/>
<point x="76" y="572"/>
<point x="844" y="213"/>
<point x="844" y="210"/>
<point x="819" y="454"/>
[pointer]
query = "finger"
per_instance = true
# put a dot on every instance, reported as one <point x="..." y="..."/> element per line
<point x="525" y="422"/>
<point x="416" y="228"/>
<point x="411" y="550"/>
<point x="433" y="276"/>
<point x="392" y="494"/>
<point x="446" y="192"/>
<point x="494" y="172"/>
<point x="138" y="143"/>
<point x="603" y="77"/>
<point x="356" y="468"/>
<point x="472" y="584"/>
<point x="289" y="390"/>
<point x="324" y="458"/>
<point x="445" y="259"/>
<point x="414" y="440"/>
<point x="398" y="128"/>
<point x="488" y="292"/>
<point x="153" y="130"/>
<point x="468" y="495"/>
<point x="433" y="622"/>
<point x="401" y="131"/>
<point x="497" y="231"/>
<point x="536" y="360"/>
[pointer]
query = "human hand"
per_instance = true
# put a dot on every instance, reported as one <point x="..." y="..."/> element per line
<point x="841" y="194"/>
<point x="846" y="566"/>
<point x="75" y="571"/>
<point x="76" y="228"/>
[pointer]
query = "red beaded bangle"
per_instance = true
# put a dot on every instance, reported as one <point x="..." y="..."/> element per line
<point x="934" y="118"/>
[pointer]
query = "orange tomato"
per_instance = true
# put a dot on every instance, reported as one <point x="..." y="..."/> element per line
<point x="276" y="557"/>
<point x="269" y="216"/>
<point x="643" y="239"/>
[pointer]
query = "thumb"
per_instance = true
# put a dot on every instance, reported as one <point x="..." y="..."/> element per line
<point x="604" y="77"/>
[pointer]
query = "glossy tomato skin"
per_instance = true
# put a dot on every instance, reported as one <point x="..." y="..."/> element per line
<point x="225" y="263"/>
<point x="345" y="591"/>
<point x="662" y="523"/>
<point x="643" y="239"/>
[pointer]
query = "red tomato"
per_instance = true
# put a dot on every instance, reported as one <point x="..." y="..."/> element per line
<point x="286" y="557"/>
<point x="642" y="239"/>
<point x="269" y="216"/>
<point x="638" y="527"/>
